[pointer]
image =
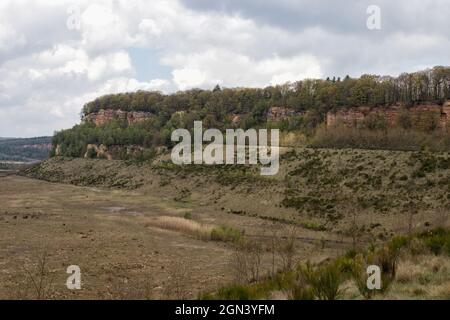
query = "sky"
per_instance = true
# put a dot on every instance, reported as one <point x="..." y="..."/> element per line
<point x="56" y="55"/>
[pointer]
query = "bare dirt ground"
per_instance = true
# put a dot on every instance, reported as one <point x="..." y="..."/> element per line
<point x="108" y="233"/>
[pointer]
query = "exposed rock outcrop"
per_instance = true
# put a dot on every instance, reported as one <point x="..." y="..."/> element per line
<point x="276" y="114"/>
<point x="112" y="152"/>
<point x="107" y="115"/>
<point x="101" y="151"/>
<point x="235" y="118"/>
<point x="420" y="116"/>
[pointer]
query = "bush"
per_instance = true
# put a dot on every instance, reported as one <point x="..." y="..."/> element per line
<point x="399" y="242"/>
<point x="359" y="276"/>
<point x="188" y="216"/>
<point x="437" y="241"/>
<point x="386" y="258"/>
<point x="324" y="280"/>
<point x="301" y="291"/>
<point x="375" y="122"/>
<point x="91" y="153"/>
<point x="236" y="292"/>
<point x="224" y="233"/>
<point x="341" y="136"/>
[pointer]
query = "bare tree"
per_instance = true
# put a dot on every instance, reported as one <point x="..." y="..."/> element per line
<point x="354" y="230"/>
<point x="286" y="249"/>
<point x="39" y="279"/>
<point x="247" y="259"/>
<point x="273" y="244"/>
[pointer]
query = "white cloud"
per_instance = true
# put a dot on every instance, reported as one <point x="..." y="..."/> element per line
<point x="47" y="72"/>
<point x="9" y="38"/>
<point x="233" y="69"/>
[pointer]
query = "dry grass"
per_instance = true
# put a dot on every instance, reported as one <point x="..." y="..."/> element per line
<point x="191" y="227"/>
<point x="422" y="277"/>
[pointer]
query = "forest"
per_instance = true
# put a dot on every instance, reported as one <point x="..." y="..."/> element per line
<point x="310" y="98"/>
<point x="28" y="149"/>
<point x="432" y="85"/>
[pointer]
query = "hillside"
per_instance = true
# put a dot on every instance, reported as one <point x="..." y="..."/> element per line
<point x="321" y="189"/>
<point x="364" y="179"/>
<point x="137" y="125"/>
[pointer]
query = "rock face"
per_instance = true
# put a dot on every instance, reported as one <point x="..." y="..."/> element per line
<point x="99" y="152"/>
<point x="235" y="118"/>
<point x="420" y="116"/>
<point x="107" y="115"/>
<point x="276" y="114"/>
<point x="113" y="152"/>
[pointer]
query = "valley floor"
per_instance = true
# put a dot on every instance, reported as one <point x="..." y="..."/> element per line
<point x="109" y="234"/>
<point x="140" y="230"/>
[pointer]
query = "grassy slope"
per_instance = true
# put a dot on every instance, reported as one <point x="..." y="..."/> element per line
<point x="382" y="192"/>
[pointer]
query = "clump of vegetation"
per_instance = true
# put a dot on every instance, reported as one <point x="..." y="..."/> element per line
<point x="225" y="233"/>
<point x="326" y="280"/>
<point x="312" y="225"/>
<point x="116" y="135"/>
<point x="310" y="204"/>
<point x="437" y="241"/>
<point x="191" y="227"/>
<point x="341" y="137"/>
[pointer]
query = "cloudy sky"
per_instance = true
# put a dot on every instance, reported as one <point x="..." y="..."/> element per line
<point x="57" y="55"/>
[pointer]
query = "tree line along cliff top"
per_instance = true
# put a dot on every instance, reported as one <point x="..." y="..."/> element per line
<point x="315" y="95"/>
<point x="416" y="101"/>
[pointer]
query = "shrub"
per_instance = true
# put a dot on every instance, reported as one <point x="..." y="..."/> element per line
<point x="225" y="233"/>
<point x="312" y="225"/>
<point x="375" y="122"/>
<point x="91" y="153"/>
<point x="340" y="136"/>
<point x="437" y="241"/>
<point x="386" y="258"/>
<point x="398" y="243"/>
<point x="301" y="290"/>
<point x="236" y="292"/>
<point x="359" y="276"/>
<point x="324" y="280"/>
<point x="404" y="119"/>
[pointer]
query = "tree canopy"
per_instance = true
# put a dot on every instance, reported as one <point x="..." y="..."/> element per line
<point x="432" y="85"/>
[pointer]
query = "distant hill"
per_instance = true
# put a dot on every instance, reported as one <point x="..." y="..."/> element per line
<point x="24" y="150"/>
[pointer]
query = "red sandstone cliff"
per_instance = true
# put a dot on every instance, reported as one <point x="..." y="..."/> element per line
<point x="105" y="116"/>
<point x="419" y="115"/>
